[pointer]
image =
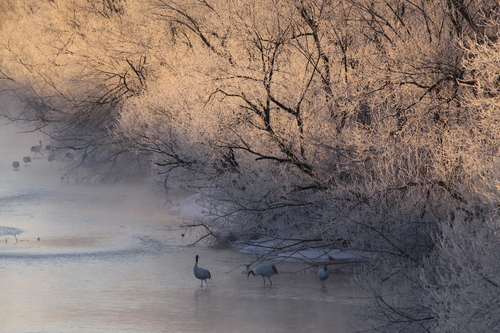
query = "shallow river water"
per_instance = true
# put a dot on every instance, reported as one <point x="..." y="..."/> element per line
<point x="107" y="261"/>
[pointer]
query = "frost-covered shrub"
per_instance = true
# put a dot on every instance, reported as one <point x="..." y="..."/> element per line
<point x="365" y="123"/>
<point x="462" y="283"/>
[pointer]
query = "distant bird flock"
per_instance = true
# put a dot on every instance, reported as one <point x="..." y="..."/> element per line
<point x="264" y="270"/>
<point x="37" y="149"/>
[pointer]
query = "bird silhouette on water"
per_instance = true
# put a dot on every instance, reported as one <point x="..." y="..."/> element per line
<point x="323" y="274"/>
<point x="201" y="273"/>
<point x="37" y="149"/>
<point x="264" y="270"/>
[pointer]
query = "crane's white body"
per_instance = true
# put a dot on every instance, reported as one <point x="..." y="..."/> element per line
<point x="264" y="270"/>
<point x="323" y="274"/>
<point x="201" y="273"/>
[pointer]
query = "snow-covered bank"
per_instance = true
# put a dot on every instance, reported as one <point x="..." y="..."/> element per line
<point x="267" y="247"/>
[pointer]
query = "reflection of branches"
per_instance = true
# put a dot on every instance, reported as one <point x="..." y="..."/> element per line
<point x="10" y="231"/>
<point x="15" y="237"/>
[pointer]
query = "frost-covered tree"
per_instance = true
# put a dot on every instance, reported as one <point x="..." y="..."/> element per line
<point x="73" y="64"/>
<point x="334" y="121"/>
<point x="363" y="123"/>
<point x="314" y="117"/>
<point x="462" y="281"/>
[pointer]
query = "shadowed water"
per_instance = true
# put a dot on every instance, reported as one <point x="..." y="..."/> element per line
<point x="108" y="261"/>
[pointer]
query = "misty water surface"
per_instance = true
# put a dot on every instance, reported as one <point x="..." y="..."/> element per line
<point x="108" y="261"/>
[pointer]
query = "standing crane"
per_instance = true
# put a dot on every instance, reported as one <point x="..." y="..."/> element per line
<point x="37" y="149"/>
<point x="264" y="270"/>
<point x="201" y="273"/>
<point x="323" y="274"/>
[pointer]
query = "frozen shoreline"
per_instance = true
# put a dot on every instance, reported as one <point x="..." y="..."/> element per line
<point x="189" y="208"/>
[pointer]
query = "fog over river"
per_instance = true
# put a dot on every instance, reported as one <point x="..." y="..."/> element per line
<point x="107" y="261"/>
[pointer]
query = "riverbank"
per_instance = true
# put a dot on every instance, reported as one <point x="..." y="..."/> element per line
<point x="268" y="248"/>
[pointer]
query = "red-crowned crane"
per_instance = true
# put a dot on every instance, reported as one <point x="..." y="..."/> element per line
<point x="201" y="273"/>
<point x="323" y="274"/>
<point x="264" y="270"/>
<point x="37" y="149"/>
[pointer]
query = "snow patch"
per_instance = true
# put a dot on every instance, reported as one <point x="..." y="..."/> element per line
<point x="190" y="207"/>
<point x="263" y="246"/>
